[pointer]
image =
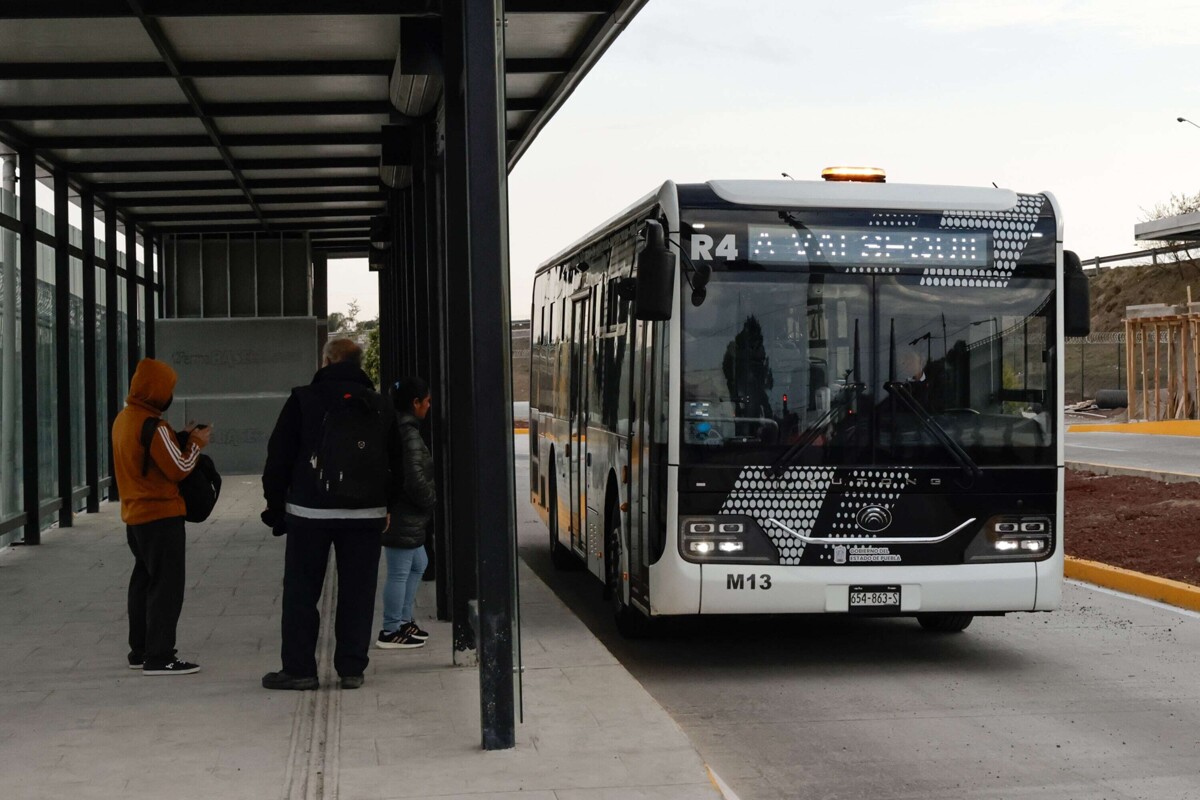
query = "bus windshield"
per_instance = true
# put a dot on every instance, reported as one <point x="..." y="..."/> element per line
<point x="867" y="369"/>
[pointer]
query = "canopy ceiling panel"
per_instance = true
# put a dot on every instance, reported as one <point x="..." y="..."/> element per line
<point x="333" y="123"/>
<point x="321" y="87"/>
<point x="272" y="38"/>
<point x="75" y="40"/>
<point x="86" y="92"/>
<point x="112" y="127"/>
<point x="202" y="114"/>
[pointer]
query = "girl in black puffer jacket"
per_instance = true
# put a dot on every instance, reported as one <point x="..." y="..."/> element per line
<point x="404" y="540"/>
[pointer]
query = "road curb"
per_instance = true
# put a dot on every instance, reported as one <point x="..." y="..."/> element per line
<point x="1133" y="472"/>
<point x="1174" y="427"/>
<point x="1164" y="590"/>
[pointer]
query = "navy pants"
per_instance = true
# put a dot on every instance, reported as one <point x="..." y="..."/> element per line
<point x="357" y="555"/>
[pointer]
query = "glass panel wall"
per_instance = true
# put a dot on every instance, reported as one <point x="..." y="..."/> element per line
<point x="102" y="432"/>
<point x="47" y="376"/>
<point x="78" y="409"/>
<point x="11" y="498"/>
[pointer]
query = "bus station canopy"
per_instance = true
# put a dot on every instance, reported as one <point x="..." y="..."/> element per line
<point x="1180" y="227"/>
<point x="226" y="115"/>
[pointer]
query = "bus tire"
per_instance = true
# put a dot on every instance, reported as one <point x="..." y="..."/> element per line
<point x="945" y="623"/>
<point x="631" y="623"/>
<point x="560" y="557"/>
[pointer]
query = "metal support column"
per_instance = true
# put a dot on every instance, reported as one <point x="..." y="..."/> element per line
<point x="150" y="293"/>
<point x="10" y="369"/>
<point x="91" y="402"/>
<point x="62" y="346"/>
<point x="133" y="351"/>
<point x="487" y="259"/>
<point x="111" y="316"/>
<point x="440" y="438"/>
<point x="459" y="444"/>
<point x="29" y="347"/>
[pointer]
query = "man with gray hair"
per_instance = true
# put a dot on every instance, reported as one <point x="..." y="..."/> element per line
<point x="328" y="482"/>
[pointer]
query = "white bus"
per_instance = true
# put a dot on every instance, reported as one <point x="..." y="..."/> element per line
<point x="785" y="397"/>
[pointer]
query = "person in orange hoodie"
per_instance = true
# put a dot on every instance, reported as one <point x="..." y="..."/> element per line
<point x="153" y="512"/>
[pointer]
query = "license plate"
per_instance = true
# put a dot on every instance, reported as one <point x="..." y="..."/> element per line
<point x="874" y="598"/>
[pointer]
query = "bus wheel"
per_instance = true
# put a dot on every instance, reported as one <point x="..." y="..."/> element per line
<point x="559" y="556"/>
<point x="945" y="623"/>
<point x="631" y="623"/>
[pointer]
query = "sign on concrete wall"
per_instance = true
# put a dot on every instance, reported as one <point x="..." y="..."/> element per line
<point x="235" y="374"/>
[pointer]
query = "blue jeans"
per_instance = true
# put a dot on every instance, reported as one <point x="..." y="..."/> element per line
<point x="405" y="566"/>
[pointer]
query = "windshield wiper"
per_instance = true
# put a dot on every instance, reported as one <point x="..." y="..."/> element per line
<point x="901" y="390"/>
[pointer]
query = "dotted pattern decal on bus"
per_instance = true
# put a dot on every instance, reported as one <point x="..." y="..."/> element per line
<point x="762" y="497"/>
<point x="796" y="500"/>
<point x="1011" y="232"/>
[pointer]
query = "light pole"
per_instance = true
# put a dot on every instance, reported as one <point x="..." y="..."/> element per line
<point x="1188" y="121"/>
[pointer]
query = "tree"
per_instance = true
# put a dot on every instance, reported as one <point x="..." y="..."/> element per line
<point x="370" y="360"/>
<point x="345" y="323"/>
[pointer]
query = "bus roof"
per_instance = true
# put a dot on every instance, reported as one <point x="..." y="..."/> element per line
<point x="852" y="194"/>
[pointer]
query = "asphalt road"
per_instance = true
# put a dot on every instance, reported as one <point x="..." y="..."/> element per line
<point x="1097" y="700"/>
<point x="1141" y="451"/>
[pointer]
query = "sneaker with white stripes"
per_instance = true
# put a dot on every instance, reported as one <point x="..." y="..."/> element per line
<point x="174" y="668"/>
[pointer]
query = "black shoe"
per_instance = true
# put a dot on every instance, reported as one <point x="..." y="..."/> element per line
<point x="351" y="681"/>
<point x="282" y="680"/>
<point x="415" y="632"/>
<point x="136" y="662"/>
<point x="398" y="640"/>
<point x="173" y="668"/>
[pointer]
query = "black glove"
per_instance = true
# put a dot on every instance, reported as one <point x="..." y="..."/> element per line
<point x="276" y="520"/>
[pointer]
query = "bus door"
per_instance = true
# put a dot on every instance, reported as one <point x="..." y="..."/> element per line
<point x="577" y="442"/>
<point x="639" y="460"/>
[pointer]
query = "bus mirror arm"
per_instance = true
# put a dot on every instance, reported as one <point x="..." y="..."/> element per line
<point x="655" y="280"/>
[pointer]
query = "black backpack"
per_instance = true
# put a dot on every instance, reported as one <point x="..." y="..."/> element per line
<point x="200" y="489"/>
<point x="349" y="456"/>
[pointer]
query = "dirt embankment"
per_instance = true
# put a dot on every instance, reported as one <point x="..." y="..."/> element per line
<point x="1135" y="523"/>
<point x="1114" y="289"/>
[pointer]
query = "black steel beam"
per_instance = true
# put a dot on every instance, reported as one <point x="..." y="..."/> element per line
<point x="243" y="227"/>
<point x="290" y="108"/>
<point x="304" y="213"/>
<point x="91" y="389"/>
<point x="527" y="66"/>
<point x="486" y="238"/>
<point x="172" y="201"/>
<point x="110" y="70"/>
<point x="212" y="165"/>
<point x="311" y="182"/>
<point x="158" y="141"/>
<point x="62" y="347"/>
<point x="111" y="332"/>
<point x="101" y="9"/>
<point x="167" y="52"/>
<point x="593" y="7"/>
<point x="458" y="501"/>
<point x="27" y="162"/>
<point x="132" y="348"/>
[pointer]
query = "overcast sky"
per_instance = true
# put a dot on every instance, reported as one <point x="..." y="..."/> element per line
<point x="1078" y="98"/>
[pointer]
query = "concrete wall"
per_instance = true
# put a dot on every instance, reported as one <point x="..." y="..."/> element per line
<point x="235" y="374"/>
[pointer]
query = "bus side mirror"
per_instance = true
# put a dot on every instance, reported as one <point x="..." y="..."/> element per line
<point x="1077" y="307"/>
<point x="655" y="277"/>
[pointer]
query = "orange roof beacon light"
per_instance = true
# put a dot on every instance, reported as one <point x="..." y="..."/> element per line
<point x="862" y="174"/>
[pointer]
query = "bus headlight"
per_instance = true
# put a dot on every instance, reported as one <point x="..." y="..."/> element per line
<point x="725" y="540"/>
<point x="1012" y="538"/>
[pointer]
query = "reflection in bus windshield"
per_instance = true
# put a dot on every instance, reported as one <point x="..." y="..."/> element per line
<point x="769" y="356"/>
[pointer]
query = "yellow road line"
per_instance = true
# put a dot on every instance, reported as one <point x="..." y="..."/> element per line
<point x="1164" y="590"/>
<point x="1173" y="427"/>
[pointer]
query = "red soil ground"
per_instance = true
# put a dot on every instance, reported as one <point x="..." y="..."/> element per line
<point x="1135" y="523"/>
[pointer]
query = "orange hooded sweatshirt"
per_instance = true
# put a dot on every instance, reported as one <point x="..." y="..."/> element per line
<point x="155" y="495"/>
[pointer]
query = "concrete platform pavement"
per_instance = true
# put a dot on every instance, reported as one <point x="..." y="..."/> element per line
<point x="75" y="722"/>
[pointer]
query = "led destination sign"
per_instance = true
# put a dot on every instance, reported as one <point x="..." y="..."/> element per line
<point x="783" y="244"/>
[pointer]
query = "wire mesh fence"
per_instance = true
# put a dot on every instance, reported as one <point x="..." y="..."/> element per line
<point x="1094" y="363"/>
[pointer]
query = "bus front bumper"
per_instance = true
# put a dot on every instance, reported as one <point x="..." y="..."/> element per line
<point x="972" y="588"/>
